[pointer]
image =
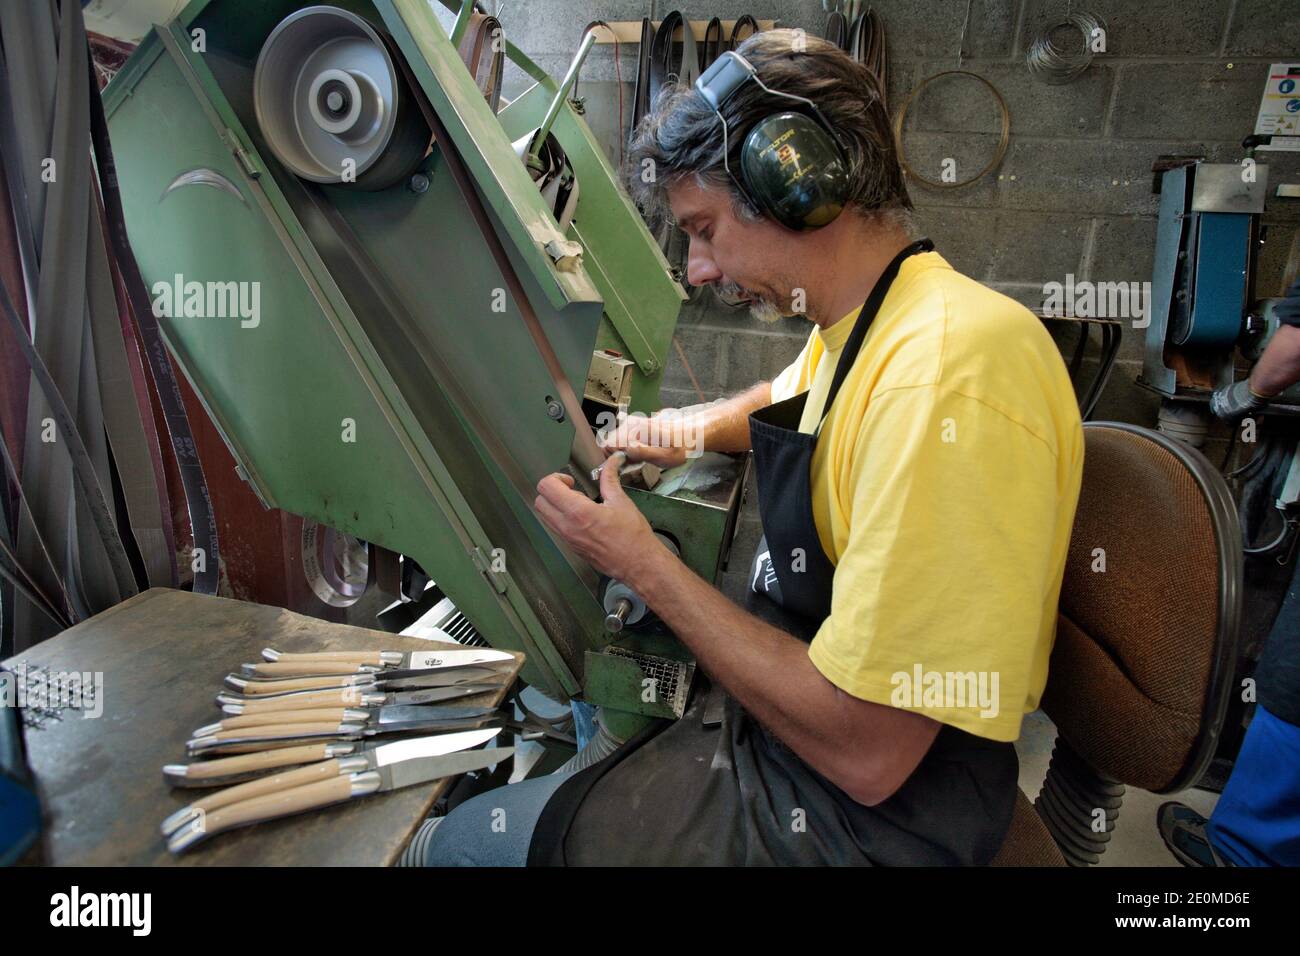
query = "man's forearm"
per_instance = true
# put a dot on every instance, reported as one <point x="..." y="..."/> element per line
<point x="1279" y="367"/>
<point x="770" y="674"/>
<point x="725" y="426"/>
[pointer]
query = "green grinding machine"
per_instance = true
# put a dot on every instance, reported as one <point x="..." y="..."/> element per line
<point x="402" y="307"/>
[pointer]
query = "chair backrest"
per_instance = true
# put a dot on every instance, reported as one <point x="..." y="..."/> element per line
<point x="1142" y="668"/>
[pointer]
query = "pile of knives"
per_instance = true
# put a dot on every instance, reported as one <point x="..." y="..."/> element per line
<point x="315" y="713"/>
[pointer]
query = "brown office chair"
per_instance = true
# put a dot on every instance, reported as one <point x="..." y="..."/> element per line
<point x="1142" y="668"/>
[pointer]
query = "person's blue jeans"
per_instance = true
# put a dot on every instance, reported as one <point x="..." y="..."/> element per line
<point x="494" y="828"/>
<point x="1257" y="819"/>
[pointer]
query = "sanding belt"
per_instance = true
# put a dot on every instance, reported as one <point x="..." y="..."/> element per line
<point x="139" y="319"/>
<point x="486" y="70"/>
<point x="78" y="360"/>
<point x="864" y="40"/>
<point x="664" y="61"/>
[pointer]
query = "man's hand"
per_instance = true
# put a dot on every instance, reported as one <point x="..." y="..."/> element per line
<point x="662" y="439"/>
<point x="1236" y="401"/>
<point x="613" y="536"/>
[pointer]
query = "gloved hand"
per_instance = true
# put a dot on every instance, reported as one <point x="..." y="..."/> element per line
<point x="1236" y="401"/>
<point x="666" y="438"/>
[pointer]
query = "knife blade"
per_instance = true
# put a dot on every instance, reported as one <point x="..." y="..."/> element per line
<point x="355" y="696"/>
<point x="331" y="790"/>
<point x="259" y="737"/>
<point x="372" y="758"/>
<point x="294" y="665"/>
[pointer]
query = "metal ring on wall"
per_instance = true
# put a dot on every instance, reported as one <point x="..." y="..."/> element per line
<point x="902" y="116"/>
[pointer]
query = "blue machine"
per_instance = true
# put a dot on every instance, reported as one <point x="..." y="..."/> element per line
<point x="1202" y="288"/>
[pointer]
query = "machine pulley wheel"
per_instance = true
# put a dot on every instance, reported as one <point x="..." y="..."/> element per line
<point x="336" y="565"/>
<point x="332" y="103"/>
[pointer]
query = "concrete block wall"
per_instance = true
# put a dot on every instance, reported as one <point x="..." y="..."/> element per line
<point x="1073" y="193"/>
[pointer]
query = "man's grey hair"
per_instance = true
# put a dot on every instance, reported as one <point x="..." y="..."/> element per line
<point x="682" y="136"/>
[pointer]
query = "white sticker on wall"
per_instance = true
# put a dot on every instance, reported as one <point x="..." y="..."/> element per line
<point x="1279" y="109"/>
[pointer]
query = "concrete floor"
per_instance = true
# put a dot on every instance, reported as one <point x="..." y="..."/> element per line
<point x="1136" y="841"/>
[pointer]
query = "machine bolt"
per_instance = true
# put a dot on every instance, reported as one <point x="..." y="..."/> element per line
<point x="616" y="618"/>
<point x="419" y="184"/>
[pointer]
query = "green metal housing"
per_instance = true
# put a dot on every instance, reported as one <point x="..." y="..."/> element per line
<point x="382" y="391"/>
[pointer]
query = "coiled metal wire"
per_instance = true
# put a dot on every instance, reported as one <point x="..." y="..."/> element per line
<point x="1056" y="65"/>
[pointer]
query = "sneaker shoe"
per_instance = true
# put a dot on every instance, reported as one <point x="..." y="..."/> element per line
<point x="1183" y="830"/>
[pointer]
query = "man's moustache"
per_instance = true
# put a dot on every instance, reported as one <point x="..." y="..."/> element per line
<point x="732" y="294"/>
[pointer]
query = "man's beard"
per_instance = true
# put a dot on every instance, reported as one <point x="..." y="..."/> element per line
<point x="765" y="311"/>
<point x="760" y="307"/>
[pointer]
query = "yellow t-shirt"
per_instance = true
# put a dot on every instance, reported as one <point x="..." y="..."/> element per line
<point x="944" y="484"/>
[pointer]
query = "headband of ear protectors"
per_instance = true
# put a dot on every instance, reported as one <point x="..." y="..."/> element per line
<point x="791" y="167"/>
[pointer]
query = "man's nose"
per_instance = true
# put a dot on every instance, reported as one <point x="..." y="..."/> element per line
<point x="700" y="267"/>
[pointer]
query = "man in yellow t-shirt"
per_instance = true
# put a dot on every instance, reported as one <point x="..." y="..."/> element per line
<point x="943" y="490"/>
<point x="918" y="468"/>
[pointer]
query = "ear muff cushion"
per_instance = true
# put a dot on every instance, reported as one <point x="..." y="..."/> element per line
<point x="795" y="171"/>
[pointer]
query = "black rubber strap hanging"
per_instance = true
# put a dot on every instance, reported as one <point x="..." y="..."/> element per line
<point x="837" y="30"/>
<point x="667" y="65"/>
<point x="673" y="66"/>
<point x="198" y="502"/>
<point x="641" y="94"/>
<point x="713" y="44"/>
<point x="742" y="30"/>
<point x="865" y="42"/>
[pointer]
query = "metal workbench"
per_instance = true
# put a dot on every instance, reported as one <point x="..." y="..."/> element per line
<point x="163" y="655"/>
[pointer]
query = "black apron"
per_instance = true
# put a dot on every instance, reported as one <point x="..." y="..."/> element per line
<point x="728" y="792"/>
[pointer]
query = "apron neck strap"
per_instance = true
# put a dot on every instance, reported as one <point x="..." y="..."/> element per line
<point x="864" y="320"/>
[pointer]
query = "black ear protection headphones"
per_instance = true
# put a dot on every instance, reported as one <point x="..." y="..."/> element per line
<point x="792" y="168"/>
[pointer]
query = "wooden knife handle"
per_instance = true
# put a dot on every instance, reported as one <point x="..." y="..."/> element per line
<point x="257" y="745"/>
<point x="247" y="763"/>
<point x="268" y="737"/>
<point x="350" y="657"/>
<point x="272" y="783"/>
<point x="304" y="668"/>
<point x="338" y="697"/>
<point x="303" y="715"/>
<point x="256" y="688"/>
<point x="270" y="806"/>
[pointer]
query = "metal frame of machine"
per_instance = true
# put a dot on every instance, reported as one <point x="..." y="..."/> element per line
<point x="374" y="307"/>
